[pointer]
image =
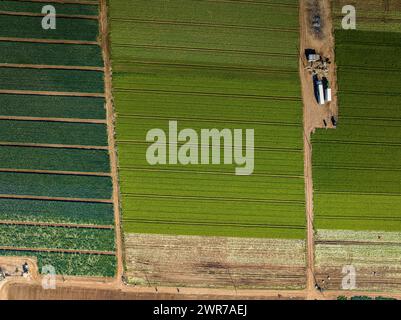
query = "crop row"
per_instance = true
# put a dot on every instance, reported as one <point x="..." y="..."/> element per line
<point x="53" y="185"/>
<point x="50" y="54"/>
<point x="31" y="158"/>
<point x="20" y="236"/>
<point x="61" y="8"/>
<point x="31" y="27"/>
<point x="56" y="211"/>
<point x="52" y="106"/>
<point x="51" y="80"/>
<point x="71" y="263"/>
<point x="53" y="132"/>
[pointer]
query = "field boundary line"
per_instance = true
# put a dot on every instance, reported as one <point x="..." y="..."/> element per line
<point x="61" y="199"/>
<point x="69" y="120"/>
<point x="105" y="43"/>
<point x="57" y="172"/>
<point x="33" y="14"/>
<point x="51" y="145"/>
<point x="51" y="41"/>
<point x="96" y="252"/>
<point x="47" y="66"/>
<point x="55" y="224"/>
<point x="52" y="93"/>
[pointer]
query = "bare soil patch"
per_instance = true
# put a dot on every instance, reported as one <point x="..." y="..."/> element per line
<point x="219" y="262"/>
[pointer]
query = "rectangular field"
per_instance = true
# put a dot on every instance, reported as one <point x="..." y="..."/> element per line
<point x="56" y="191"/>
<point x="208" y="65"/>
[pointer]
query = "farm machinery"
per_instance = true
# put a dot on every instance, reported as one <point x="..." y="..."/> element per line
<point x="318" y="67"/>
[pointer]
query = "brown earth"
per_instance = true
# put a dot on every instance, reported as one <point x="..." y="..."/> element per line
<point x="214" y="262"/>
<point x="46" y="66"/>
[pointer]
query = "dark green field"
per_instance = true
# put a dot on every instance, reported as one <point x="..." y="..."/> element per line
<point x="54" y="160"/>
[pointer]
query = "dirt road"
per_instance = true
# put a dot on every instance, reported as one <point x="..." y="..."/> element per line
<point x="314" y="114"/>
<point x="104" y="32"/>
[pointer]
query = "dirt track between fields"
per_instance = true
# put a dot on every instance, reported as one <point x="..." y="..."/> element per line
<point x="314" y="114"/>
<point x="104" y="32"/>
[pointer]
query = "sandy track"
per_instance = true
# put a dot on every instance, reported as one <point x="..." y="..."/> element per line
<point x="70" y="120"/>
<point x="53" y="93"/>
<point x="56" y="172"/>
<point x="11" y="39"/>
<point x="51" y="145"/>
<point x="46" y="66"/>
<point x="13" y="196"/>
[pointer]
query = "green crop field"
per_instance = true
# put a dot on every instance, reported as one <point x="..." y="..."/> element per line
<point x="209" y="65"/>
<point x="61" y="8"/>
<point x="31" y="28"/>
<point x="54" y="158"/>
<point x="51" y="80"/>
<point x="76" y="160"/>
<point x="356" y="168"/>
<point x="373" y="15"/>
<point x="25" y="105"/>
<point x="56" y="211"/>
<point x="57" y="237"/>
<point x="50" y="54"/>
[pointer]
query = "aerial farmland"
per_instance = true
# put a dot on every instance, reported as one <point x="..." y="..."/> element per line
<point x="200" y="149"/>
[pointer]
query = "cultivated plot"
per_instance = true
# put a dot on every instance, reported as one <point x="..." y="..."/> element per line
<point x="55" y="198"/>
<point x="223" y="65"/>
